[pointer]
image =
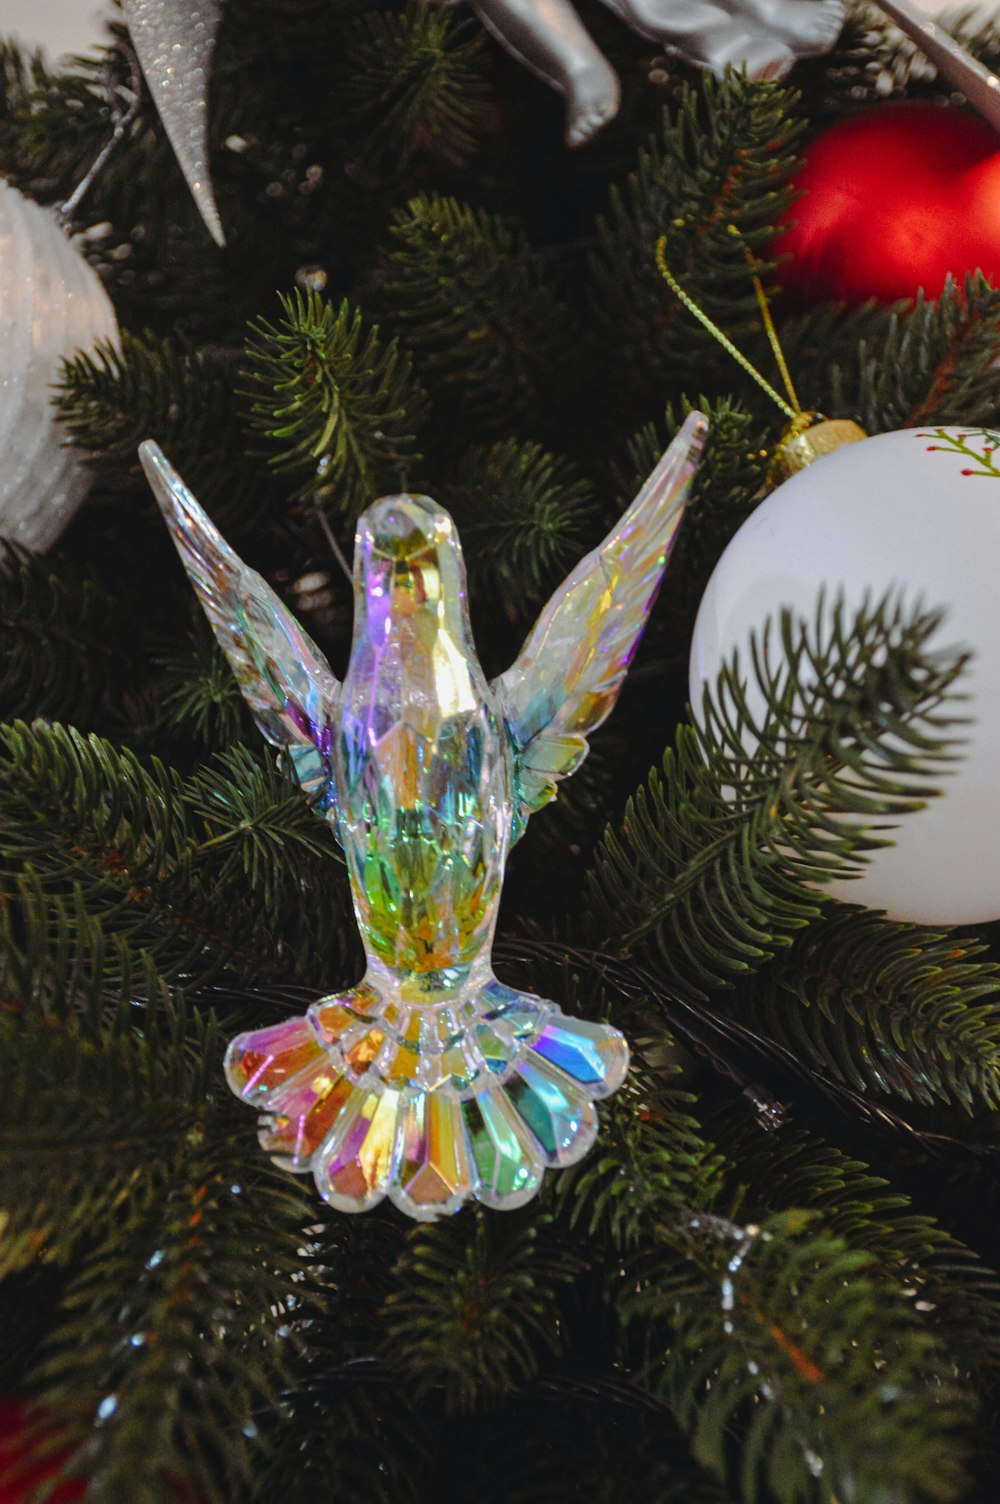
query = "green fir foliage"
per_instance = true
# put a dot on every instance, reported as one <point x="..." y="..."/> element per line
<point x="54" y="125"/>
<point x="889" y="1009"/>
<point x="801" y="762"/>
<point x="203" y="873"/>
<point x="195" y="693"/>
<point x="797" y="1305"/>
<point x="64" y="642"/>
<point x="178" y="1393"/>
<point x="525" y="517"/>
<point x="904" y="366"/>
<point x="481" y="312"/>
<point x="340" y="405"/>
<point x="769" y="1281"/>
<point x="411" y="83"/>
<point x="476" y="1310"/>
<point x="943" y="1278"/>
<point x="718" y="165"/>
<point x="162" y="389"/>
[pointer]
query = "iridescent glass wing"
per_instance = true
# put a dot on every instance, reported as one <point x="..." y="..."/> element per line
<point x="570" y="671"/>
<point x="285" y="679"/>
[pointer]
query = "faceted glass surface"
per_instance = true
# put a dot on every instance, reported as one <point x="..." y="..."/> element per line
<point x="595" y="1056"/>
<point x="430" y="1080"/>
<point x="507" y="1158"/>
<point x="434" y="1170"/>
<point x="423" y="775"/>
<point x="355" y="1166"/>
<point x="257" y="1065"/>
<point x="561" y="1116"/>
<point x="310" y="1106"/>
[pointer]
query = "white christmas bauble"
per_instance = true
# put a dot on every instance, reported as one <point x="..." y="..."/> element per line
<point x="52" y="304"/>
<point x="915" y="510"/>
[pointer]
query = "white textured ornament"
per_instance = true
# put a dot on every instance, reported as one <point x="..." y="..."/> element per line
<point x="52" y="304"/>
<point x="174" y="41"/>
<point x="919" y="510"/>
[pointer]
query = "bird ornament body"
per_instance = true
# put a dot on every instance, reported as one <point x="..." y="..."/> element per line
<point x="430" y="1081"/>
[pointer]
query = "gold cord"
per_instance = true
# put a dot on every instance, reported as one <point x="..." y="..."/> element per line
<point x="769" y="329"/>
<point x="792" y="410"/>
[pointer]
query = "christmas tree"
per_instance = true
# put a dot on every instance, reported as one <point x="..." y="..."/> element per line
<point x="770" y="1279"/>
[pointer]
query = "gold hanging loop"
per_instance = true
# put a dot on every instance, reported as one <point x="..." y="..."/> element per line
<point x="769" y="329"/>
<point x="808" y="435"/>
<point x="717" y="334"/>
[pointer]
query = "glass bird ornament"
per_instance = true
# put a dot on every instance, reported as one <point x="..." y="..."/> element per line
<point x="431" y="1081"/>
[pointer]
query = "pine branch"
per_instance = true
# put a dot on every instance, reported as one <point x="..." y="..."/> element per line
<point x="264" y="865"/>
<point x="52" y="124"/>
<point x="64" y="643"/>
<point x="903" y="367"/>
<point x="341" y="405"/>
<point x="766" y="1367"/>
<point x="89" y="1126"/>
<point x="181" y="869"/>
<point x="63" y="966"/>
<point x="799" y="1369"/>
<point x="890" y="1009"/>
<point x="524" y="515"/>
<point x="956" y="1293"/>
<point x="848" y="723"/>
<point x="58" y="963"/>
<point x="110" y="810"/>
<point x="731" y="470"/>
<point x="169" y="1341"/>
<point x="412" y="84"/>
<point x="265" y="836"/>
<point x="195" y="693"/>
<point x="481" y="312"/>
<point x="161" y="388"/>
<point x="651" y="1161"/>
<point x="93" y="1108"/>
<point x="343" y="1395"/>
<point x="330" y="1435"/>
<point x="723" y="160"/>
<point x="475" y="1307"/>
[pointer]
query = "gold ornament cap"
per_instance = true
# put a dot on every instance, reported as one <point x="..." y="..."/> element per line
<point x="807" y="438"/>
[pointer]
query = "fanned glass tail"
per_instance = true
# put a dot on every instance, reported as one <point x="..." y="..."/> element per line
<point x="519" y="1099"/>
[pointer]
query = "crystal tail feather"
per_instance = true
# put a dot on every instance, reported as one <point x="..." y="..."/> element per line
<point x="430" y="1106"/>
<point x="174" y="41"/>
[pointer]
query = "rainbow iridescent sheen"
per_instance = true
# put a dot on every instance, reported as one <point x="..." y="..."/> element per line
<point x="430" y="1082"/>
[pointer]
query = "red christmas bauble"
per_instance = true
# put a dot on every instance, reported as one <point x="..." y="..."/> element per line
<point x="16" y="1486"/>
<point x="894" y="200"/>
<point x="19" y="1476"/>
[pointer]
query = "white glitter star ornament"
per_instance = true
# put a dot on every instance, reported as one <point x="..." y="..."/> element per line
<point x="431" y="1081"/>
<point x="174" y="41"/>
